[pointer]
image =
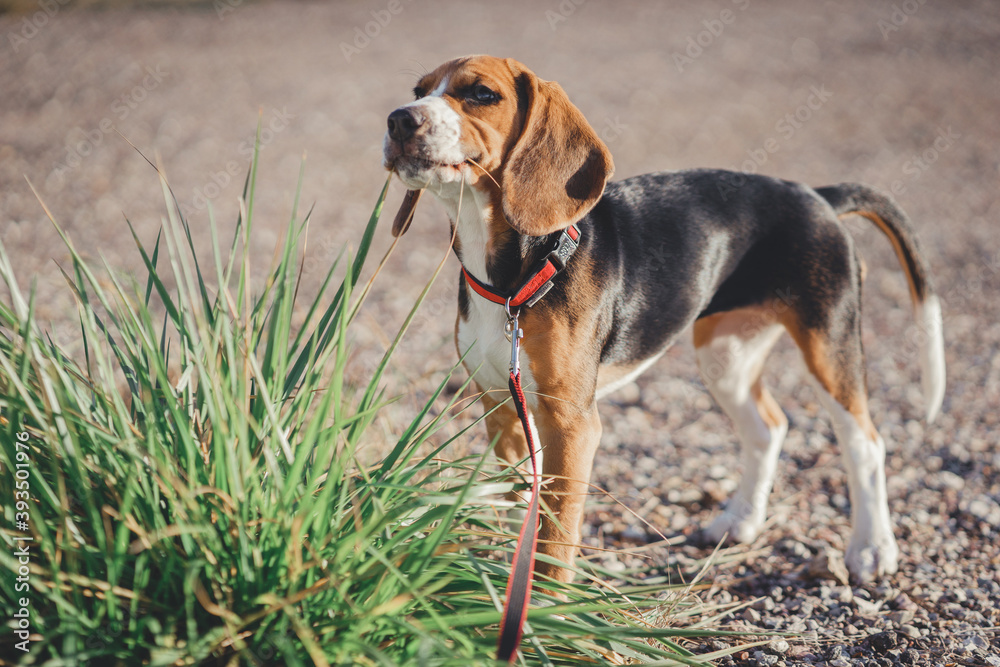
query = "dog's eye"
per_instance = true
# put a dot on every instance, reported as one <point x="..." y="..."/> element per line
<point x="418" y="92"/>
<point x="480" y="94"/>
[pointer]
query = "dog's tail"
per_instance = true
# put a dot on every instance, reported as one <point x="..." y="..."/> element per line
<point x="881" y="209"/>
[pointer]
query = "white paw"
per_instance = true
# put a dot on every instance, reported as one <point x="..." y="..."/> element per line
<point x="867" y="561"/>
<point x="739" y="527"/>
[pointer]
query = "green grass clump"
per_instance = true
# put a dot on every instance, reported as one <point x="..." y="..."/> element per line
<point x="196" y="493"/>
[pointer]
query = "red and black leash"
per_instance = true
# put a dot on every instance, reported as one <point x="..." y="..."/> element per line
<point x="522" y="568"/>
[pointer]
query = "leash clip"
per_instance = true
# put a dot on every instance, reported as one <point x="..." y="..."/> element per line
<point x="514" y="335"/>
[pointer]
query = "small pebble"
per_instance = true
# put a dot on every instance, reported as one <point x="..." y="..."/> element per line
<point x="884" y="592"/>
<point x="764" y="604"/>
<point x="974" y="643"/>
<point x="828" y="564"/>
<point x="765" y="658"/>
<point x="634" y="534"/>
<point x="901" y="616"/>
<point x="883" y="642"/>
<point x="949" y="480"/>
<point x="779" y="646"/>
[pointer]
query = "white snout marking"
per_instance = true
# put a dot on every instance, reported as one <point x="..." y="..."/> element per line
<point x="438" y="142"/>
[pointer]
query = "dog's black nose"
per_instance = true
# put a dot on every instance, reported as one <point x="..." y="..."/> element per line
<point x="403" y="123"/>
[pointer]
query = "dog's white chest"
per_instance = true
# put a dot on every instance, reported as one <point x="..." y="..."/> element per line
<point x="481" y="338"/>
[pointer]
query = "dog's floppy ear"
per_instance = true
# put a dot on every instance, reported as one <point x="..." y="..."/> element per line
<point x="557" y="170"/>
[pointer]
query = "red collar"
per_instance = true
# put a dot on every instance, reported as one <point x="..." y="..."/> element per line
<point x="538" y="281"/>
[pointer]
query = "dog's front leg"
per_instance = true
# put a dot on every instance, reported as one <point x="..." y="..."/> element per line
<point x="569" y="436"/>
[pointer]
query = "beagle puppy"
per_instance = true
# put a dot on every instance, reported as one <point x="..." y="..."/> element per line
<point x="739" y="258"/>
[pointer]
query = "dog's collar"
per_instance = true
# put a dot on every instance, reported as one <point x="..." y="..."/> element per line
<point x="539" y="281"/>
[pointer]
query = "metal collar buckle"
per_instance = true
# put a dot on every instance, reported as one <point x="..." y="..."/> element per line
<point x="564" y="248"/>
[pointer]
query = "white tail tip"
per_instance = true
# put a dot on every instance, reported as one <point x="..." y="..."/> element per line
<point x="931" y="341"/>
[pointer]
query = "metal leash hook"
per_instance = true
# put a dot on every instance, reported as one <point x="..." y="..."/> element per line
<point x="514" y="335"/>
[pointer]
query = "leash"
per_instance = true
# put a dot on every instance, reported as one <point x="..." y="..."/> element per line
<point x="522" y="568"/>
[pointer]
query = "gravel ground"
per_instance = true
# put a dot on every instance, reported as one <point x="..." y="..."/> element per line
<point x="910" y="100"/>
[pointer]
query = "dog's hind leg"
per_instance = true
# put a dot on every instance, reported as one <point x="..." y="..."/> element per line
<point x="731" y="348"/>
<point x="835" y="359"/>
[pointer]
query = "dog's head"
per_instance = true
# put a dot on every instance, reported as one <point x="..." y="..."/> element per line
<point x="549" y="163"/>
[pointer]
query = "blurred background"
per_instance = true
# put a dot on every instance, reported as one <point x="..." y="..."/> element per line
<point x="903" y="95"/>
